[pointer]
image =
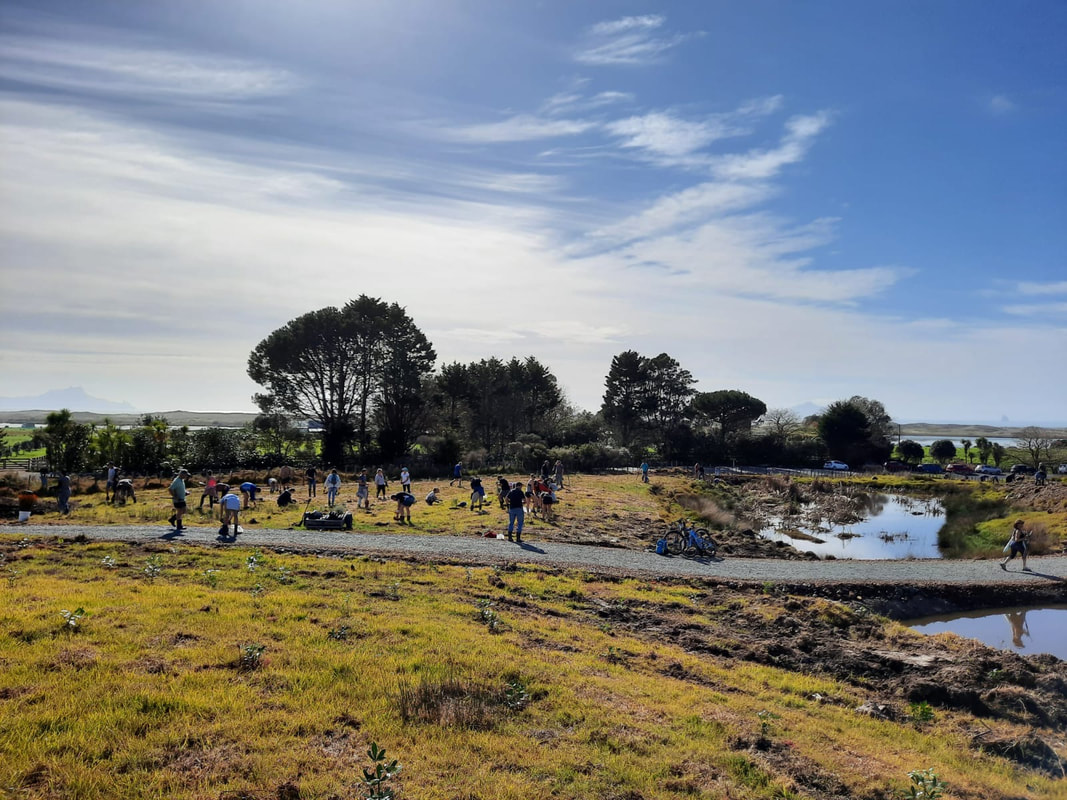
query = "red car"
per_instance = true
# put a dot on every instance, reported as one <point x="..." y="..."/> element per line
<point x="960" y="469"/>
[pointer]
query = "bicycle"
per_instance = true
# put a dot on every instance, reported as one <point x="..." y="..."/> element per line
<point x="682" y="539"/>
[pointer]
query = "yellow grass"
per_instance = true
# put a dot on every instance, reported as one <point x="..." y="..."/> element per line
<point x="147" y="696"/>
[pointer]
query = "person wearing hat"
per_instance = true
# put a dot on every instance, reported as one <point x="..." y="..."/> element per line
<point x="177" y="493"/>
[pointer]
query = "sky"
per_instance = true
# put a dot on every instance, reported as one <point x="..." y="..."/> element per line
<point x="803" y="201"/>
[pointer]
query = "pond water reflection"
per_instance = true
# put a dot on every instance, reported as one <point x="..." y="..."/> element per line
<point x="896" y="526"/>
<point x="1027" y="631"/>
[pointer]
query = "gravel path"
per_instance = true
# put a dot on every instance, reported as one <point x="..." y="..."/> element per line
<point x="475" y="550"/>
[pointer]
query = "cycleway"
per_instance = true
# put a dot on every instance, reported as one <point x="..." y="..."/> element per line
<point x="480" y="551"/>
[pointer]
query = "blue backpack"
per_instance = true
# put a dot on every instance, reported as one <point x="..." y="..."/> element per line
<point x="661" y="547"/>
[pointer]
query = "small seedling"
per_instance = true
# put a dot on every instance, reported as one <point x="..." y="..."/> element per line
<point x="376" y="778"/>
<point x="257" y="590"/>
<point x="921" y="713"/>
<point x="516" y="695"/>
<point x="153" y="567"/>
<point x="487" y="616"/>
<point x="72" y="619"/>
<point x="23" y="543"/>
<point x="250" y="657"/>
<point x="108" y="562"/>
<point x="253" y="561"/>
<point x="285" y="575"/>
<point x="766" y="719"/>
<point x="211" y="577"/>
<point x="925" y="785"/>
<point x="12" y="576"/>
<point x="338" y="634"/>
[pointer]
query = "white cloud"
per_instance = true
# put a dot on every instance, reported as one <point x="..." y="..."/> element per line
<point x="520" y="128"/>
<point x="627" y="41"/>
<point x="1001" y="104"/>
<point x="669" y="140"/>
<point x="1036" y="309"/>
<point x="143" y="73"/>
<point x="762" y="164"/>
<point x="1058" y="287"/>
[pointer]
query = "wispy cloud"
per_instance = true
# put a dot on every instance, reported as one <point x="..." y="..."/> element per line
<point x="142" y="73"/>
<point x="1001" y="104"/>
<point x="569" y="102"/>
<point x="669" y="140"/>
<point x="1027" y="287"/>
<point x="519" y="128"/>
<point x="628" y="41"/>
<point x="1036" y="309"/>
<point x="762" y="164"/>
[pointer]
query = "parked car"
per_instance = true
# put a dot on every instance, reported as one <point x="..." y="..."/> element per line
<point x="960" y="469"/>
<point x="1022" y="469"/>
<point x="835" y="465"/>
<point x="986" y="469"/>
<point x="931" y="469"/>
<point x="896" y="466"/>
<point x="1061" y="469"/>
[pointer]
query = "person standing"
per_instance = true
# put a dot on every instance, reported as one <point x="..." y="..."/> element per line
<point x="112" y="481"/>
<point x="177" y="494"/>
<point x="333" y="486"/>
<point x="312" y="476"/>
<point x="210" y="493"/>
<point x="644" y="471"/>
<point x="64" y="492"/>
<point x="229" y="510"/>
<point x="380" y="483"/>
<point x="546" y="470"/>
<point x="1017" y="545"/>
<point x="405" y="479"/>
<point x="559" y="474"/>
<point x="363" y="491"/>
<point x="285" y="475"/>
<point x="516" y="515"/>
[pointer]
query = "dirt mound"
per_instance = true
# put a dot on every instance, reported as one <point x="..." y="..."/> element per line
<point x="1051" y="497"/>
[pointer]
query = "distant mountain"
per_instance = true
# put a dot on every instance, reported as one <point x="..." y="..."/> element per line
<point x="73" y="398"/>
<point x="807" y="409"/>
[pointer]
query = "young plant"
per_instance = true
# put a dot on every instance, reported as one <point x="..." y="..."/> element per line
<point x="211" y="577"/>
<point x="253" y="561"/>
<point x="153" y="567"/>
<point x="377" y="778"/>
<point x="516" y="695"/>
<point x="72" y="619"/>
<point x="487" y="616"/>
<point x="250" y="657"/>
<point x="108" y="562"/>
<point x="920" y="713"/>
<point x="925" y="785"/>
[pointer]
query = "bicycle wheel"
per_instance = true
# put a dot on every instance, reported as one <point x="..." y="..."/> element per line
<point x="707" y="544"/>
<point x="675" y="541"/>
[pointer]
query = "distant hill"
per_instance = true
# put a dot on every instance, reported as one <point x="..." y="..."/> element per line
<point x="74" y="398"/>
<point x="956" y="431"/>
<point x="194" y="419"/>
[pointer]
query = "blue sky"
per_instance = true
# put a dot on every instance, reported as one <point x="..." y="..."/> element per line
<point x="805" y="201"/>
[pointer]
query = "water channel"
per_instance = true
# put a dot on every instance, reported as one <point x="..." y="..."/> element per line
<point x="1027" y="631"/>
<point x="897" y="526"/>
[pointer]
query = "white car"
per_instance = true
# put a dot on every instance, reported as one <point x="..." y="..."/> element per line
<point x="986" y="469"/>
<point x="835" y="465"/>
<point x="1061" y="469"/>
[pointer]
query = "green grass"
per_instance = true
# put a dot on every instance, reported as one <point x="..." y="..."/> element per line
<point x="150" y="695"/>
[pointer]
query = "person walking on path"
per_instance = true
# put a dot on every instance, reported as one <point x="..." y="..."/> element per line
<point x="64" y="492"/>
<point x="457" y="474"/>
<point x="312" y="476"/>
<point x="363" y="491"/>
<point x="380" y="483"/>
<point x="112" y="482"/>
<point x="177" y="494"/>
<point x="1017" y="544"/>
<point x="405" y="479"/>
<point x="333" y="486"/>
<point x="229" y="510"/>
<point x="559" y="474"/>
<point x="516" y="514"/>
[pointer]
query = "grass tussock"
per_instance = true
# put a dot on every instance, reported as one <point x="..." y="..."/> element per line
<point x="707" y="510"/>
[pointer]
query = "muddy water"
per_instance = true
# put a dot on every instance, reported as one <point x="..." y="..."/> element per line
<point x="1027" y="631"/>
<point x="895" y="527"/>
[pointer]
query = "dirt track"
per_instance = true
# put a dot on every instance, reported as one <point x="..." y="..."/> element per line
<point x="474" y="550"/>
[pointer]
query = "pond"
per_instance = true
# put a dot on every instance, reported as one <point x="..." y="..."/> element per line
<point x="896" y="526"/>
<point x="1027" y="631"/>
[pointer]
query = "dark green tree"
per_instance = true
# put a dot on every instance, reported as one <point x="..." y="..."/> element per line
<point x="729" y="409"/>
<point x="844" y="429"/>
<point x="406" y="360"/>
<point x="625" y="395"/>
<point x="111" y="443"/>
<point x="942" y="451"/>
<point x="66" y="442"/>
<point x="997" y="451"/>
<point x="452" y="387"/>
<point x="985" y="449"/>
<point x="966" y="444"/>
<point x="910" y="452"/>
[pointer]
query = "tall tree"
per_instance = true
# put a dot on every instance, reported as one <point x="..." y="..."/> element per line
<point x="625" y="395"/>
<point x="1036" y="442"/>
<point x="453" y="387"/>
<point x="911" y="452"/>
<point x="942" y="450"/>
<point x="985" y="449"/>
<point x="406" y="359"/>
<point x="111" y="443"/>
<point x="845" y="430"/>
<point x="66" y="441"/>
<point x="729" y="409"/>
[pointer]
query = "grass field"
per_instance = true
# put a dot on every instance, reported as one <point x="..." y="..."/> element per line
<point x="178" y="672"/>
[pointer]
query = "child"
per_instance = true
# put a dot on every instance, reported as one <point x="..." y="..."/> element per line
<point x="380" y="482"/>
<point x="433" y="497"/>
<point x="405" y="479"/>
<point x="363" y="491"/>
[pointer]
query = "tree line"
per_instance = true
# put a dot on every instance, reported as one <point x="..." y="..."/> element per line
<point x="365" y="376"/>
